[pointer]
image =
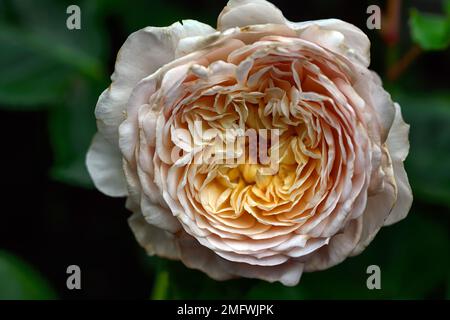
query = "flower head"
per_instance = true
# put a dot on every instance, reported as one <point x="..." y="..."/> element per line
<point x="262" y="149"/>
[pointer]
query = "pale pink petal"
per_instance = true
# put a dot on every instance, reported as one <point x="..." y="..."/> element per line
<point x="158" y="216"/>
<point x="397" y="141"/>
<point x="144" y="52"/>
<point x="378" y="208"/>
<point x="154" y="240"/>
<point x="201" y="258"/>
<point x="338" y="248"/>
<point x="378" y="102"/>
<point x="336" y="35"/>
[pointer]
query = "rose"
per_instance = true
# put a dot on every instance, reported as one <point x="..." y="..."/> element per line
<point x="339" y="172"/>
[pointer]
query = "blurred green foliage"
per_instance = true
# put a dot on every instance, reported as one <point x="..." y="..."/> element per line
<point x="430" y="31"/>
<point x="19" y="281"/>
<point x="47" y="68"/>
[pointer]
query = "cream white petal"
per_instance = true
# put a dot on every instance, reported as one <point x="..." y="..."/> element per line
<point x="398" y="146"/>
<point x="128" y="129"/>
<point x="288" y="273"/>
<point x="158" y="216"/>
<point x="378" y="208"/>
<point x="154" y="240"/>
<point x="404" y="195"/>
<point x="144" y="52"/>
<point x="241" y="13"/>
<point x="336" y="35"/>
<point x="196" y="256"/>
<point x="199" y="257"/>
<point x="378" y="101"/>
<point x="397" y="141"/>
<point x="104" y="164"/>
<point x="338" y="248"/>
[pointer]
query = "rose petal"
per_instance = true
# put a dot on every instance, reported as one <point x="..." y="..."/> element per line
<point x="154" y="240"/>
<point x="398" y="145"/>
<point x="352" y="42"/>
<point x="368" y="86"/>
<point x="397" y="141"/>
<point x="241" y="13"/>
<point x="378" y="208"/>
<point x="339" y="247"/>
<point x="144" y="52"/>
<point x="199" y="257"/>
<point x="158" y="216"/>
<point x="104" y="164"/>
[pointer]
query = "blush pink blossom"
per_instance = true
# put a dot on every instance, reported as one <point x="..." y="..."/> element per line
<point x="339" y="172"/>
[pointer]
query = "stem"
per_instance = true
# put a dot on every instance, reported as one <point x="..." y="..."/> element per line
<point x="391" y="31"/>
<point x="161" y="287"/>
<point x="399" y="67"/>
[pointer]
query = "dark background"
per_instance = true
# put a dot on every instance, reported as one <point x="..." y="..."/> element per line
<point x="51" y="216"/>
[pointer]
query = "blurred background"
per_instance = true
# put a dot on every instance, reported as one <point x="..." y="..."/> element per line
<point x="52" y="217"/>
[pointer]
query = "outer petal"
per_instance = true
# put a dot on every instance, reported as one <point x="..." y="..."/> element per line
<point x="336" y="35"/>
<point x="154" y="240"/>
<point x="338" y="248"/>
<point x="398" y="145"/>
<point x="158" y="216"/>
<point x="104" y="164"/>
<point x="241" y="13"/>
<point x="368" y="85"/>
<point x="378" y="208"/>
<point x="196" y="256"/>
<point x="144" y="52"/>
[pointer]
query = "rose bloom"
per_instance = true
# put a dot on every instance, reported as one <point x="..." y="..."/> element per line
<point x="339" y="175"/>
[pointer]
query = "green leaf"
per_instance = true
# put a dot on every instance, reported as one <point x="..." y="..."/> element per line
<point x="19" y="281"/>
<point x="431" y="32"/>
